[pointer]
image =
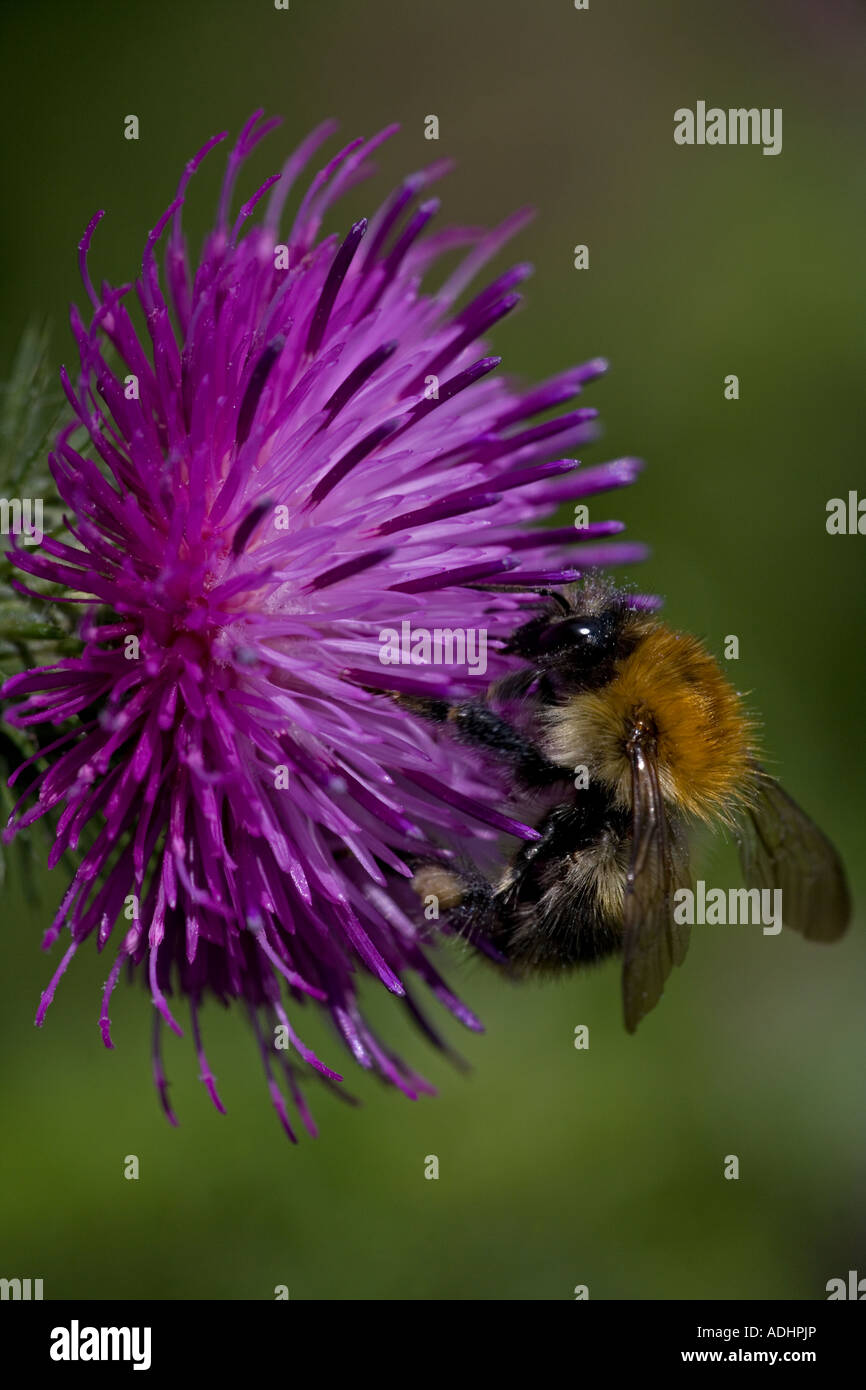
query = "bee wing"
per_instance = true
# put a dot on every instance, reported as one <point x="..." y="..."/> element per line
<point x="780" y="847"/>
<point x="653" y="942"/>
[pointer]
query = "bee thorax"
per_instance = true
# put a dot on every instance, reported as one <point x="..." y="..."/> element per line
<point x="669" y="697"/>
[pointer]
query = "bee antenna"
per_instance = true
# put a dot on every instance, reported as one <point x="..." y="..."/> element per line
<point x="558" y="598"/>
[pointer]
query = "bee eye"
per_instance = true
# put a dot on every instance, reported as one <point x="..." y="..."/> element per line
<point x="579" y="635"/>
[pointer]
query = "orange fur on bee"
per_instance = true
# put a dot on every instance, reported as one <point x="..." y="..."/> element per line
<point x="703" y="749"/>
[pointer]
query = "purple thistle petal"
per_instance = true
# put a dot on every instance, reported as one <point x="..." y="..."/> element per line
<point x="344" y="466"/>
<point x="205" y="1073"/>
<point x="336" y="276"/>
<point x="357" y="378"/>
<point x="160" y="1080"/>
<point x="348" y="568"/>
<point x="48" y="994"/>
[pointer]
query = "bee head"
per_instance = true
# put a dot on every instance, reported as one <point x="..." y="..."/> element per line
<point x="579" y="642"/>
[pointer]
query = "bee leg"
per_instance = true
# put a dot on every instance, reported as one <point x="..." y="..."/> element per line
<point x="477" y="724"/>
<point x="467" y="900"/>
<point x="473" y="722"/>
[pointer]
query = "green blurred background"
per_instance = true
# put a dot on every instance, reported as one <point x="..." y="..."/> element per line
<point x="557" y="1167"/>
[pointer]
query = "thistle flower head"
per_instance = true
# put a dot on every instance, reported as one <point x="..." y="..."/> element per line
<point x="300" y="449"/>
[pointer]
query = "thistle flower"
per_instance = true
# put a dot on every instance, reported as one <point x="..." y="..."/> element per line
<point x="299" y="450"/>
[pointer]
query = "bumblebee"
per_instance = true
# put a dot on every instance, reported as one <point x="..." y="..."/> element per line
<point x="628" y="731"/>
